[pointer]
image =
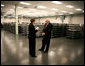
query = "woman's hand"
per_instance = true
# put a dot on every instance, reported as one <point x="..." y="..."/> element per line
<point x="37" y="28"/>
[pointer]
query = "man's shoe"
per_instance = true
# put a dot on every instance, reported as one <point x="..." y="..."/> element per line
<point x="40" y="50"/>
<point x="45" y="51"/>
<point x="34" y="56"/>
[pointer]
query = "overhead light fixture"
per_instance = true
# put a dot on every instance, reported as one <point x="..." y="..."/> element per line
<point x="54" y="9"/>
<point x="25" y="3"/>
<point x="19" y="7"/>
<point x="64" y="11"/>
<point x="61" y="14"/>
<point x="1" y="16"/>
<point x="69" y="6"/>
<point x="79" y="9"/>
<point x="5" y="14"/>
<point x="71" y="13"/>
<point x="2" y="5"/>
<point x="57" y="2"/>
<point x="41" y="7"/>
<point x="83" y="11"/>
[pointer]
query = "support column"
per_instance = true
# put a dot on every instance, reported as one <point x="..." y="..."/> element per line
<point x="16" y="15"/>
<point x="2" y="19"/>
<point x="70" y="21"/>
<point x="62" y="18"/>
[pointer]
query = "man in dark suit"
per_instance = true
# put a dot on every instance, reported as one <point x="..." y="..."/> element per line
<point x="32" y="37"/>
<point x="46" y="36"/>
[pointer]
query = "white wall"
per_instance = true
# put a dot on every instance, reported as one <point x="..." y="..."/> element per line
<point x="59" y="20"/>
<point x="24" y="20"/>
<point x="78" y="19"/>
<point x="67" y="20"/>
<point x="52" y="20"/>
<point x="7" y="20"/>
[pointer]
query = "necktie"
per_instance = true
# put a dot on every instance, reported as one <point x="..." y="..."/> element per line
<point x="45" y="26"/>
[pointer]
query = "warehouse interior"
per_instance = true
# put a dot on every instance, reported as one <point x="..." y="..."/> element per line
<point x="67" y="36"/>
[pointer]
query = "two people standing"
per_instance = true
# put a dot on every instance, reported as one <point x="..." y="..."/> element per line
<point x="46" y="37"/>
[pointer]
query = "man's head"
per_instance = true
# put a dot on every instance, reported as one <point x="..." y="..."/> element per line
<point x="32" y="21"/>
<point x="47" y="20"/>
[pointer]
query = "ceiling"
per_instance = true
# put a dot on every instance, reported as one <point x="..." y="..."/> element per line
<point x="32" y="10"/>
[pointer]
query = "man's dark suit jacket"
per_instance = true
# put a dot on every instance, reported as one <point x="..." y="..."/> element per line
<point x="47" y="31"/>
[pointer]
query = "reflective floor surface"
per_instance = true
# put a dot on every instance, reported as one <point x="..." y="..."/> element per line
<point x="15" y="51"/>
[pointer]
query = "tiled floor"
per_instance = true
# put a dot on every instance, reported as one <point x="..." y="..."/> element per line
<point x="15" y="51"/>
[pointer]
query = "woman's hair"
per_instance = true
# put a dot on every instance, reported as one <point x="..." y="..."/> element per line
<point x="32" y="20"/>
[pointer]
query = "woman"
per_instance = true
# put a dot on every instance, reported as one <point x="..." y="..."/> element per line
<point x="32" y="36"/>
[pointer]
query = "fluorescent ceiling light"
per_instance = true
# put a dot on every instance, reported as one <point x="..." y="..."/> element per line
<point x="54" y="9"/>
<point x="56" y="2"/>
<point x="5" y="14"/>
<point x="19" y="7"/>
<point x="2" y="5"/>
<point x="71" y="13"/>
<point x="69" y="6"/>
<point x="83" y="11"/>
<point x="25" y="3"/>
<point x="64" y="11"/>
<point x="41" y="7"/>
<point x="61" y="14"/>
<point x="78" y="9"/>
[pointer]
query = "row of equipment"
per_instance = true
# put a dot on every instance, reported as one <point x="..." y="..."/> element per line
<point x="59" y="30"/>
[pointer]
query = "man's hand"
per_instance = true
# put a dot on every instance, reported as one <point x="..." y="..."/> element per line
<point x="43" y="34"/>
